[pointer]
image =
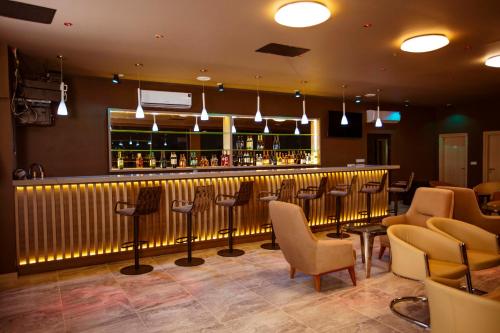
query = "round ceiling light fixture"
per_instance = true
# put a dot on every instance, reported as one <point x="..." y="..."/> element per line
<point x="424" y="43"/>
<point x="302" y="14"/>
<point x="493" y="61"/>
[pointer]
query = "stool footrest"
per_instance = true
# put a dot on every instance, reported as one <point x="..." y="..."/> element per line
<point x="266" y="226"/>
<point x="182" y="240"/>
<point x="363" y="212"/>
<point x="332" y="218"/>
<point x="126" y="245"/>
<point x="226" y="231"/>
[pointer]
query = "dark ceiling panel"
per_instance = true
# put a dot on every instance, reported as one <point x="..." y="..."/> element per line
<point x="27" y="12"/>
<point x="282" y="50"/>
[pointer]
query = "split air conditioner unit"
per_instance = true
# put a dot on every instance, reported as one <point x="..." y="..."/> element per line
<point x="165" y="99"/>
<point x="385" y="116"/>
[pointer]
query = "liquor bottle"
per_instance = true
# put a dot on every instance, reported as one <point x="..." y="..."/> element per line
<point x="139" y="163"/>
<point x="308" y="158"/>
<point x="260" y="142"/>
<point x="193" y="160"/>
<point x="163" y="161"/>
<point x="302" y="158"/>
<point x="173" y="159"/>
<point x="278" y="142"/>
<point x="249" y="142"/>
<point x="214" y="161"/>
<point x="152" y="161"/>
<point x="265" y="159"/>
<point x="182" y="161"/>
<point x="258" y="160"/>
<point x="119" y="162"/>
<point x="275" y="145"/>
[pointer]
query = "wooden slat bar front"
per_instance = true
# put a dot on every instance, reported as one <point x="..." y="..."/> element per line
<point x="63" y="219"/>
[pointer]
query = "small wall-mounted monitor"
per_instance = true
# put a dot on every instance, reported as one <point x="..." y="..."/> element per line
<point x="354" y="129"/>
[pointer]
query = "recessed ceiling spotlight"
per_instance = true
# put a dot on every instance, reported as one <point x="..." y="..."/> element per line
<point x="68" y="24"/>
<point x="302" y="14"/>
<point x="297" y="93"/>
<point x="493" y="61"/>
<point x="158" y="36"/>
<point x="357" y="99"/>
<point x="115" y="79"/>
<point x="220" y="87"/>
<point x="424" y="43"/>
<point x="203" y="78"/>
<point x="367" y="25"/>
<point x="370" y="95"/>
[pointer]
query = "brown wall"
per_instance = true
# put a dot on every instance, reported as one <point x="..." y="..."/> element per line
<point x="473" y="119"/>
<point x="77" y="144"/>
<point x="7" y="224"/>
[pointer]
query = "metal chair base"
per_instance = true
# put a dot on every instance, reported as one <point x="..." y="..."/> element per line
<point x="474" y="290"/>
<point x="398" y="300"/>
<point x="341" y="235"/>
<point x="185" y="262"/>
<point x="230" y="252"/>
<point x="270" y="246"/>
<point x="136" y="270"/>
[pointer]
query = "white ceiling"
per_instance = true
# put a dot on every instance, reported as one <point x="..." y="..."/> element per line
<point x="221" y="35"/>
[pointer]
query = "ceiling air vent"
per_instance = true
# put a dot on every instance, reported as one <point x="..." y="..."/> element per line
<point x="282" y="50"/>
<point x="28" y="12"/>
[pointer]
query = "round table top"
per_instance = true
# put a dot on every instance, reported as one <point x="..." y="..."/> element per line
<point x="494" y="205"/>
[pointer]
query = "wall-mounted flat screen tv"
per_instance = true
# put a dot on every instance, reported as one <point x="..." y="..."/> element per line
<point x="353" y="130"/>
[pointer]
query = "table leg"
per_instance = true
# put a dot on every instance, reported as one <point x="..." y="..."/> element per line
<point x="362" y="241"/>
<point x="367" y="251"/>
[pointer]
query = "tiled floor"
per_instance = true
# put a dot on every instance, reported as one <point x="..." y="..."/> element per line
<point x="251" y="293"/>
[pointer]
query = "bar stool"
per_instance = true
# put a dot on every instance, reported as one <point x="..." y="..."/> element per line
<point x="398" y="188"/>
<point x="240" y="198"/>
<point x="311" y="193"/>
<point x="148" y="202"/>
<point x="340" y="191"/>
<point x="369" y="189"/>
<point x="203" y="196"/>
<point x="284" y="193"/>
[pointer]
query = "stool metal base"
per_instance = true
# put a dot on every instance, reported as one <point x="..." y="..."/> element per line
<point x="341" y="235"/>
<point x="185" y="262"/>
<point x="270" y="246"/>
<point x="133" y="270"/>
<point x="230" y="252"/>
<point x="415" y="299"/>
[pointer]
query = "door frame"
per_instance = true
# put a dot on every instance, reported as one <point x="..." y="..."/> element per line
<point x="486" y="134"/>
<point x="451" y="135"/>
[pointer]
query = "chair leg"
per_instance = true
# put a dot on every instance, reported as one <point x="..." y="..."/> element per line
<point x="381" y="252"/>
<point x="468" y="281"/>
<point x="307" y="208"/>
<point x="137" y="268"/>
<point x="368" y="207"/>
<point x="396" y="200"/>
<point x="352" y="273"/>
<point x="136" y="242"/>
<point x="317" y="282"/>
<point x="292" y="272"/>
<point x="414" y="299"/>
<point x="190" y="260"/>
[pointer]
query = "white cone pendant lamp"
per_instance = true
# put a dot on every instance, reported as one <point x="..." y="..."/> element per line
<point x="196" y="127"/>
<point x="204" y="113"/>
<point x="155" y="125"/>
<point x="233" y="127"/>
<point x="266" y="129"/>
<point x="139" y="112"/>
<point x="62" y="110"/>
<point x="344" y="121"/>
<point x="258" y="114"/>
<point x="378" y="122"/>
<point x="304" y="120"/>
<point x="297" y="132"/>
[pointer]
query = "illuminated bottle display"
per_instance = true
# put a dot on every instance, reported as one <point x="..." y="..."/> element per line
<point x="120" y="163"/>
<point x="152" y="161"/>
<point x="139" y="162"/>
<point x="173" y="159"/>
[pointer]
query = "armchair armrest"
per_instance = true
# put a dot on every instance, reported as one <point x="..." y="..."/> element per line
<point x="391" y="220"/>
<point x="122" y="203"/>
<point x="333" y="254"/>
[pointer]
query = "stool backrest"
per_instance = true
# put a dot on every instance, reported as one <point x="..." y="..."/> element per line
<point x="410" y="181"/>
<point x="148" y="200"/>
<point x="287" y="190"/>
<point x="382" y="183"/>
<point x="203" y="197"/>
<point x="322" y="187"/>
<point x="244" y="194"/>
<point x="353" y="181"/>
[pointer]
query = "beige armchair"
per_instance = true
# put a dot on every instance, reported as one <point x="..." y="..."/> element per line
<point x="482" y="246"/>
<point x="467" y="209"/>
<point x="453" y="311"/>
<point x="418" y="253"/>
<point x="427" y="202"/>
<point x="303" y="251"/>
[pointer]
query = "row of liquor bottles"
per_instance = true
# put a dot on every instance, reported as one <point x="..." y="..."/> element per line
<point x="194" y="159"/>
<point x="247" y="143"/>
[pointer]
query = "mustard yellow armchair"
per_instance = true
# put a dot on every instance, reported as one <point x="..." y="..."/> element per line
<point x="453" y="311"/>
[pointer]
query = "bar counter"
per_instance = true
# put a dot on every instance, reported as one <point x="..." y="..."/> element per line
<point x="70" y="221"/>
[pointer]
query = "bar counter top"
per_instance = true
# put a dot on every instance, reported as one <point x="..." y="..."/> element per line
<point x="192" y="175"/>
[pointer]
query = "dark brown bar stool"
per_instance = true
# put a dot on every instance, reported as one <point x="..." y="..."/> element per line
<point x="240" y="198"/>
<point x="369" y="189"/>
<point x="148" y="202"/>
<point x="203" y="197"/>
<point x="311" y="193"/>
<point x="398" y="188"/>
<point x="284" y="193"/>
<point x="339" y="191"/>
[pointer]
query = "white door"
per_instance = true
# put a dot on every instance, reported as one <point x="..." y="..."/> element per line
<point x="453" y="159"/>
<point x="491" y="156"/>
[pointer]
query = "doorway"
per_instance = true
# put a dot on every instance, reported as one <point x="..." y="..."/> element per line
<point x="453" y="159"/>
<point x="379" y="149"/>
<point x="491" y="156"/>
